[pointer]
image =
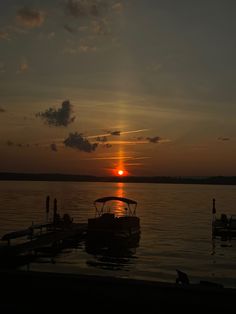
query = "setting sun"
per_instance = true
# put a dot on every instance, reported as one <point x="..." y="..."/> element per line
<point x="120" y="172"/>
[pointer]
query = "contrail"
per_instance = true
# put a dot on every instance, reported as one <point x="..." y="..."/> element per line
<point x="120" y="133"/>
<point x="117" y="158"/>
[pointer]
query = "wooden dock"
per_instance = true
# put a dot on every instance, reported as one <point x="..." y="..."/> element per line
<point x="31" y="242"/>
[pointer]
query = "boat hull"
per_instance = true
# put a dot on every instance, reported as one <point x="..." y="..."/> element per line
<point x="107" y="226"/>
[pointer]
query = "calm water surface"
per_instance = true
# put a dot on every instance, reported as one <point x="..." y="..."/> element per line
<point x="175" y="228"/>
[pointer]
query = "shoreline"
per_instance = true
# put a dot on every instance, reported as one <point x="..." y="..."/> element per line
<point x="27" y="290"/>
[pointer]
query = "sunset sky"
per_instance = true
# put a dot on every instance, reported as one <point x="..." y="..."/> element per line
<point x="94" y="86"/>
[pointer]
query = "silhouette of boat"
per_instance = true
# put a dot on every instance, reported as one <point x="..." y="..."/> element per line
<point x="110" y="227"/>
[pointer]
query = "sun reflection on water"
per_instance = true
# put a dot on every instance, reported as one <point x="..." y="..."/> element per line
<point x="119" y="207"/>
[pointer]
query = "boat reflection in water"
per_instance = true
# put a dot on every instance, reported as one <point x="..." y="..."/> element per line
<point x="112" y="255"/>
<point x="112" y="239"/>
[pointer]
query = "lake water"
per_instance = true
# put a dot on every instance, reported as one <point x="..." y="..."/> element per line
<point x="175" y="228"/>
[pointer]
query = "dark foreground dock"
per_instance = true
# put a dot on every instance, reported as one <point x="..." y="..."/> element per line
<point x="36" y="292"/>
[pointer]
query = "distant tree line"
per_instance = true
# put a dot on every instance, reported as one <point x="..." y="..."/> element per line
<point x="224" y="180"/>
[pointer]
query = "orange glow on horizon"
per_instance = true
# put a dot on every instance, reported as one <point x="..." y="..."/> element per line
<point x="119" y="172"/>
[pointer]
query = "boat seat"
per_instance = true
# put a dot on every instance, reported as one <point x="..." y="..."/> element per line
<point x="108" y="216"/>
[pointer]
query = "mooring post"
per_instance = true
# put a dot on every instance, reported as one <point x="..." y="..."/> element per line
<point x="213" y="206"/>
<point x="47" y="207"/>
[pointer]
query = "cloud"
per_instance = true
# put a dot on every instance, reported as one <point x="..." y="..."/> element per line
<point x="30" y="18"/>
<point x="117" y="158"/>
<point x="77" y="141"/>
<point x="223" y="139"/>
<point x="2" y="110"/>
<point x="82" y="48"/>
<point x="154" y="140"/>
<point x="101" y="139"/>
<point x="7" y="32"/>
<point x="115" y="133"/>
<point x="60" y="117"/>
<point x="118" y="133"/>
<point x="107" y="145"/>
<point x="85" y="8"/>
<point x="20" y="145"/>
<point x="53" y="147"/>
<point x="134" y="164"/>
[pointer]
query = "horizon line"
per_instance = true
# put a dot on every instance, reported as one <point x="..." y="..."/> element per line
<point x="114" y="176"/>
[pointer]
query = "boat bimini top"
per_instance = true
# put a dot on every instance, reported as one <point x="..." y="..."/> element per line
<point x="132" y="205"/>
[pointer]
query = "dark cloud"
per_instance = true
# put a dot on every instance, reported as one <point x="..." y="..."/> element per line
<point x="19" y="145"/>
<point x="101" y="139"/>
<point x="223" y="139"/>
<point x="30" y="18"/>
<point x="59" y="117"/>
<point x="85" y="8"/>
<point x="2" y="110"/>
<point x="77" y="141"/>
<point x="154" y="140"/>
<point x="107" y="145"/>
<point x="53" y="147"/>
<point x="115" y="133"/>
